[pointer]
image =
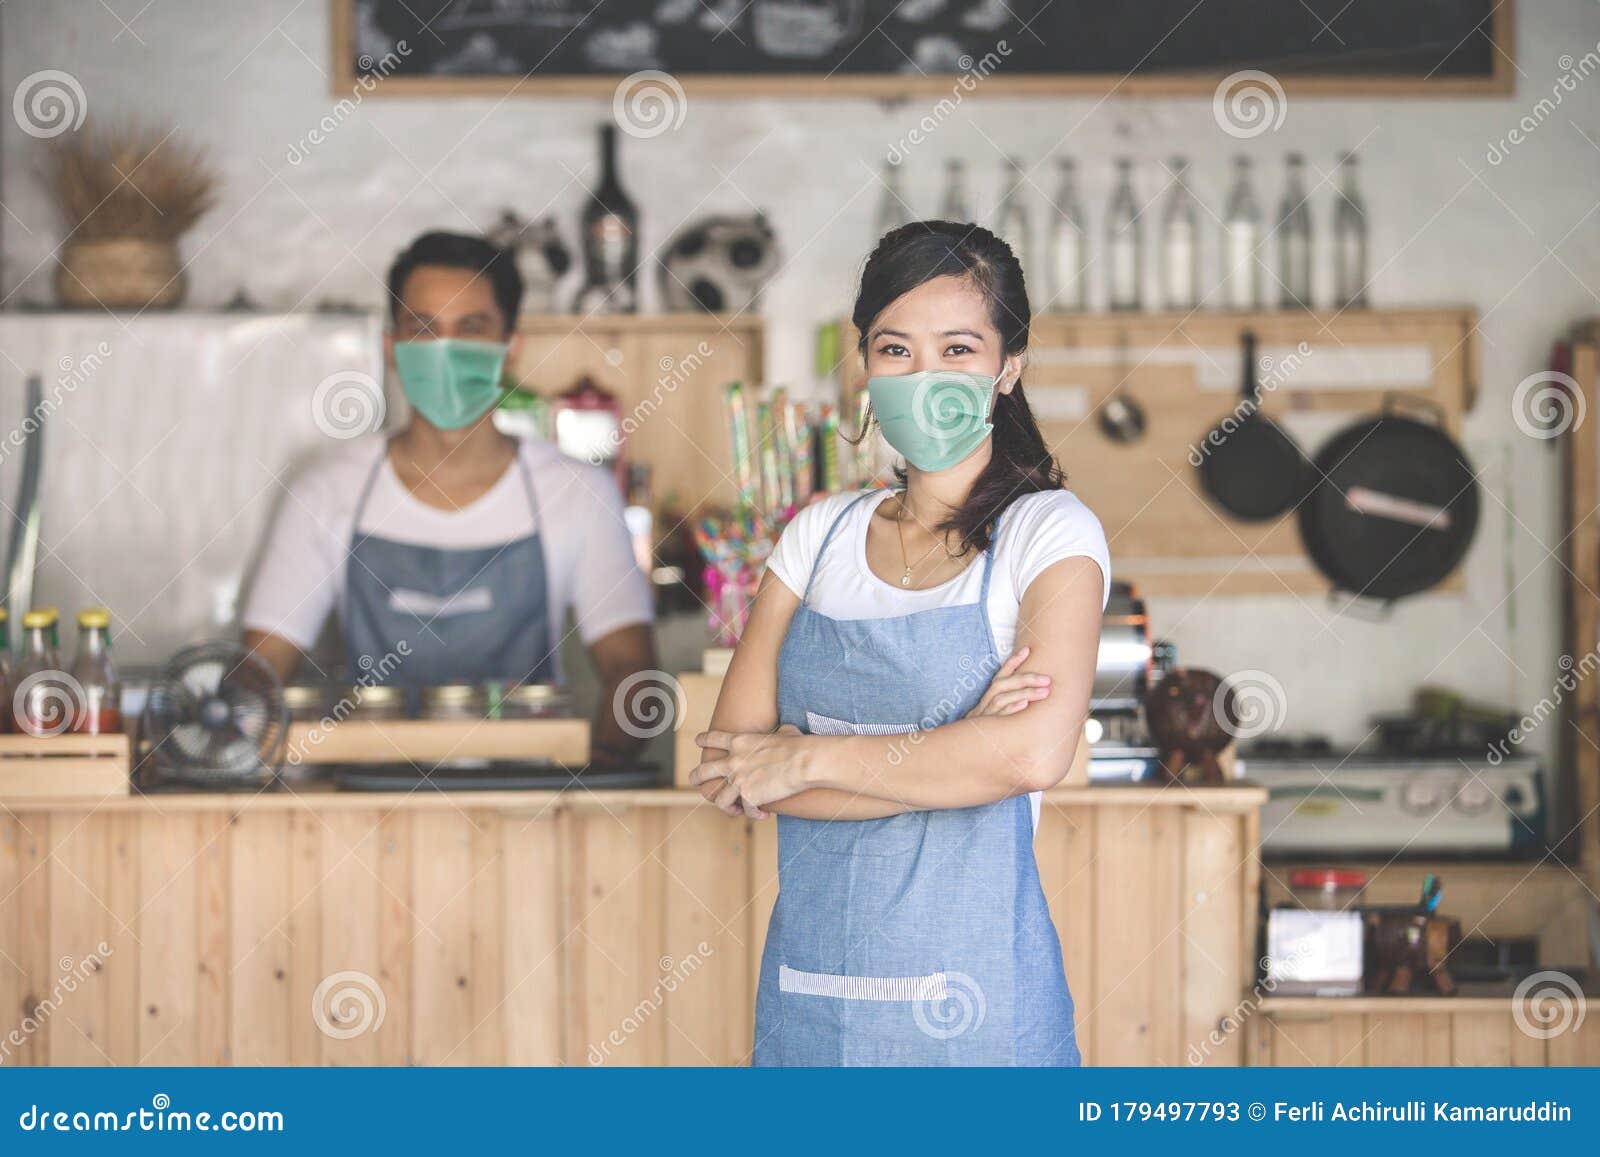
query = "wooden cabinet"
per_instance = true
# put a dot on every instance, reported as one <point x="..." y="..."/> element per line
<point x="1404" y="1031"/>
<point x="668" y="372"/>
<point x="531" y="928"/>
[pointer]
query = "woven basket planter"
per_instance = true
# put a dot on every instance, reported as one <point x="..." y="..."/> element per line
<point x="122" y="273"/>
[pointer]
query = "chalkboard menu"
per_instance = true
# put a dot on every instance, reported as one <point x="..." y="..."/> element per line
<point x="821" y="47"/>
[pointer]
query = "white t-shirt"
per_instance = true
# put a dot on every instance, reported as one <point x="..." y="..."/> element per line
<point x="1036" y="531"/>
<point x="588" y="557"/>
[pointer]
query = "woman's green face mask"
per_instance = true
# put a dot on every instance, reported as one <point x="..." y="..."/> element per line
<point x="935" y="418"/>
<point x="451" y="382"/>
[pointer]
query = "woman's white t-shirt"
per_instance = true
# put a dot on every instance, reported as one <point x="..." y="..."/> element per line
<point x="1036" y="531"/>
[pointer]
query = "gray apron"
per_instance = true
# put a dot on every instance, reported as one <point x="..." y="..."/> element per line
<point x="465" y="616"/>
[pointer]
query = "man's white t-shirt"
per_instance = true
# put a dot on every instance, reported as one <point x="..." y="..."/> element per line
<point x="1036" y="531"/>
<point x="588" y="556"/>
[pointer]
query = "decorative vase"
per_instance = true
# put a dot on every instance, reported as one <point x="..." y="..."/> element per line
<point x="120" y="273"/>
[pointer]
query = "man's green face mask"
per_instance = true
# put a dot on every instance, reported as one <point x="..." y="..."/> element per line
<point x="935" y="418"/>
<point x="451" y="382"/>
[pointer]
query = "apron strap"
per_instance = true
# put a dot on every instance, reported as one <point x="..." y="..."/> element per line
<point x="988" y="564"/>
<point x="826" y="539"/>
<point x="366" y="493"/>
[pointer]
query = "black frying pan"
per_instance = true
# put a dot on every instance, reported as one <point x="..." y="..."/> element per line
<point x="1248" y="466"/>
<point x="1395" y="507"/>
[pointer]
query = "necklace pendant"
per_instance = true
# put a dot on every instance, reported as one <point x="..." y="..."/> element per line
<point x="905" y="579"/>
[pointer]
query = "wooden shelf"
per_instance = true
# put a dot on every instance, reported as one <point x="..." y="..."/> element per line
<point x="84" y="767"/>
<point x="564" y="741"/>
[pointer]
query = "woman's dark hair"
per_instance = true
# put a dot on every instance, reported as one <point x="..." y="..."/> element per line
<point x="914" y="255"/>
<point x="460" y="251"/>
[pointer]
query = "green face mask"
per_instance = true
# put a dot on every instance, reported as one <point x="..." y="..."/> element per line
<point x="935" y="418"/>
<point x="451" y="382"/>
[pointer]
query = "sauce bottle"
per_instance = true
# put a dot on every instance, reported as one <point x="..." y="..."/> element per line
<point x="41" y="702"/>
<point x="100" y="708"/>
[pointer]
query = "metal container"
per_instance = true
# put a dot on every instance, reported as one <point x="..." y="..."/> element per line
<point x="530" y="701"/>
<point x="1122" y="668"/>
<point x="379" y="701"/>
<point x="455" y="701"/>
<point x="309" y="702"/>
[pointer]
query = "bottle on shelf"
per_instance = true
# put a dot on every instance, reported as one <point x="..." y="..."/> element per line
<point x="957" y="202"/>
<point x="1124" y="243"/>
<point x="1180" y="243"/>
<point x="1069" y="248"/>
<point x="5" y="671"/>
<point x="893" y="211"/>
<point x="100" y="711"/>
<point x="1241" y="242"/>
<point x="1294" y="239"/>
<point x="1349" y="240"/>
<point x="610" y="240"/>
<point x="42" y="701"/>
<point x="1011" y="215"/>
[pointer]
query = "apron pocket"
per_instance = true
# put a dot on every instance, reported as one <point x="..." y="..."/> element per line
<point x="882" y="988"/>
<point x="890" y="836"/>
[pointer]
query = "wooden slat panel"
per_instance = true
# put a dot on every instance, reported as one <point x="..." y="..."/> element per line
<point x="535" y="937"/>
<point x="213" y="960"/>
<point x="347" y="978"/>
<point x="1214" y="978"/>
<point x="487" y="1043"/>
<point x="260" y="1011"/>
<point x="168" y="956"/>
<point x="304" y="931"/>
<point x="32" y="948"/>
<point x="1126" y="935"/>
<point x="611" y="960"/>
<point x="441" y="891"/>
<point x="121" y="964"/>
<point x="709" y="1008"/>
<point x="397" y="926"/>
<point x="13" y="972"/>
<point x="1064" y="849"/>
<point x="1397" y="1039"/>
<point x="1167" y="901"/>
<point x="1580" y="1047"/>
<point x="79" y="922"/>
<point x="1482" y="1038"/>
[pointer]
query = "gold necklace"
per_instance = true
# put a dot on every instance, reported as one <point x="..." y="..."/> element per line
<point x="900" y="528"/>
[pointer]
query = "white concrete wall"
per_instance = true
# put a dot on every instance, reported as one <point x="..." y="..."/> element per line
<point x="1518" y="240"/>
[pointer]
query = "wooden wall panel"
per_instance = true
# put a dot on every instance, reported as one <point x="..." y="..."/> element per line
<point x="536" y="892"/>
<point x="79" y="870"/>
<point x="260" y="951"/>
<point x="169" y="962"/>
<point x="345" y="981"/>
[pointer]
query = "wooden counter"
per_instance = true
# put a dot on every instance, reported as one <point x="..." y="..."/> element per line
<point x="537" y="927"/>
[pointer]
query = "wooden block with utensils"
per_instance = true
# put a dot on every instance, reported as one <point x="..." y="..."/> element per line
<point x="63" y="766"/>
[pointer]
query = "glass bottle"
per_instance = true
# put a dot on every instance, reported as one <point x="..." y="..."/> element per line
<point x="1349" y="240"/>
<point x="1069" y="249"/>
<point x="100" y="712"/>
<point x="41" y="700"/>
<point x="5" y="671"/>
<point x="1180" y="243"/>
<point x="892" y="210"/>
<point x="1011" y="217"/>
<point x="1124" y="245"/>
<point x="610" y="239"/>
<point x="1241" y="242"/>
<point x="957" y="203"/>
<point x="1294" y="239"/>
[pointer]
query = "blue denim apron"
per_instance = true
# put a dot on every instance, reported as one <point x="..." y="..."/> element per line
<point x="922" y="938"/>
<point x="466" y="616"/>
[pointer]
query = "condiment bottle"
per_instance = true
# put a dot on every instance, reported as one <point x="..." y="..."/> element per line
<point x="40" y="701"/>
<point x="100" y="710"/>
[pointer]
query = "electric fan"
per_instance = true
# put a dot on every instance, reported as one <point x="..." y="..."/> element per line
<point x="215" y="716"/>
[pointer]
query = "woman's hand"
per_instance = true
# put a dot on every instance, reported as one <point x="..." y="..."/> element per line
<point x="759" y="768"/>
<point x="1010" y="692"/>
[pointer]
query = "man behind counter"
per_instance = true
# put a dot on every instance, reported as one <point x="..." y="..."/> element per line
<point x="462" y="544"/>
